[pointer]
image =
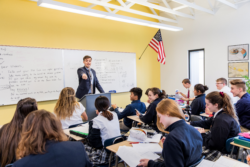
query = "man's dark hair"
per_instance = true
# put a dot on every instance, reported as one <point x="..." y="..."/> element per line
<point x="87" y="57"/>
<point x="137" y="92"/>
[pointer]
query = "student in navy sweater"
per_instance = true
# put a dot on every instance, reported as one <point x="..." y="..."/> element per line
<point x="43" y="143"/>
<point x="135" y="96"/>
<point x="223" y="125"/>
<point x="198" y="104"/>
<point x="182" y="147"/>
<point x="155" y="95"/>
<point x="238" y="88"/>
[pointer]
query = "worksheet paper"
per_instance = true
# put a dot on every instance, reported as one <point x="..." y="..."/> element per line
<point x="84" y="128"/>
<point x="155" y="139"/>
<point x="153" y="147"/>
<point x="222" y="162"/>
<point x="132" y="157"/>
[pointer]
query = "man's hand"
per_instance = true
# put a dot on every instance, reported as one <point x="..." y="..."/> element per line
<point x="84" y="76"/>
<point x="143" y="162"/>
<point x="114" y="106"/>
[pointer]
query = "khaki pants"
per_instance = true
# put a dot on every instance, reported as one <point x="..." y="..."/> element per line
<point x="244" y="129"/>
<point x="123" y="127"/>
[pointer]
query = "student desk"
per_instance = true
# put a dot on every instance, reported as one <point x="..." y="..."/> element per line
<point x="237" y="145"/>
<point x="77" y="138"/>
<point x="204" y="115"/>
<point x="114" y="148"/>
<point x="135" y="118"/>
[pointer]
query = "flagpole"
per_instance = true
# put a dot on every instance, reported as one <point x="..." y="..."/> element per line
<point x="143" y="52"/>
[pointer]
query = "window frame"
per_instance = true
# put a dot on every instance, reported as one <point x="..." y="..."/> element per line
<point x="189" y="51"/>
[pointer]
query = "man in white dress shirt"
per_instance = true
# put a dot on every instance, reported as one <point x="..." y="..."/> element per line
<point x="190" y="91"/>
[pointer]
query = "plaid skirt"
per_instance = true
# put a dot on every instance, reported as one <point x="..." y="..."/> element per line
<point x="211" y="155"/>
<point x="98" y="156"/>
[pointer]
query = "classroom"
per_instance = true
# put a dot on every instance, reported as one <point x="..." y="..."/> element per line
<point x="162" y="66"/>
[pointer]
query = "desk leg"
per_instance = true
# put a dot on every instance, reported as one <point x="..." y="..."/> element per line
<point x="116" y="161"/>
<point x="231" y="155"/>
<point x="110" y="159"/>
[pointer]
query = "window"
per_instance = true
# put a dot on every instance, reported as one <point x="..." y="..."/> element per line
<point x="197" y="66"/>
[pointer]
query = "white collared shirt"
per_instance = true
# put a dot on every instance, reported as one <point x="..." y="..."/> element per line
<point x="191" y="92"/>
<point x="108" y="129"/>
<point x="217" y="112"/>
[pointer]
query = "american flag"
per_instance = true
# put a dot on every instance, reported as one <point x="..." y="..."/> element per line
<point x="157" y="44"/>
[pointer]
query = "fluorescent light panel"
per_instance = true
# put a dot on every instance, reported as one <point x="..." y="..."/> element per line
<point x="90" y="12"/>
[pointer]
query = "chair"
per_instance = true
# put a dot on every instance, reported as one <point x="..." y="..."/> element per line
<point x="197" y="163"/>
<point x="75" y="125"/>
<point x="107" y="143"/>
<point x="229" y="146"/>
<point x="195" y="118"/>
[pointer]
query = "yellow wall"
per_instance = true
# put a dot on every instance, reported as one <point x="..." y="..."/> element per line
<point x="23" y="23"/>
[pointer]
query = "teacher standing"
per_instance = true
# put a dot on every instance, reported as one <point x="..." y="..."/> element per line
<point x="87" y="79"/>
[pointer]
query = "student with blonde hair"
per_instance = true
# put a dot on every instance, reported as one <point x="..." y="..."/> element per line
<point x="68" y="110"/>
<point x="183" y="145"/>
<point x="43" y="143"/>
<point x="238" y="88"/>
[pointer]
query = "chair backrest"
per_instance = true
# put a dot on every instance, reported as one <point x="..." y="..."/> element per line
<point x="229" y="146"/>
<point x="112" y="141"/>
<point x="197" y="163"/>
<point x="195" y="118"/>
<point x="75" y="125"/>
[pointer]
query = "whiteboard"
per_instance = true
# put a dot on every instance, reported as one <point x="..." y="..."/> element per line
<point x="42" y="73"/>
<point x="30" y="72"/>
<point x="114" y="70"/>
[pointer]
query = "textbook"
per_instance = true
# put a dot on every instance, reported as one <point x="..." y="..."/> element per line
<point x="239" y="141"/>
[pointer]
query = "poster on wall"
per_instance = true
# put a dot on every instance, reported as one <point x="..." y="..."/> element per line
<point x="238" y="52"/>
<point x="238" y="69"/>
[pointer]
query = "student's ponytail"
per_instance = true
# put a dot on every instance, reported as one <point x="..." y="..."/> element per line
<point x="102" y="104"/>
<point x="223" y="101"/>
<point x="201" y="88"/>
<point x="227" y="104"/>
<point x="161" y="93"/>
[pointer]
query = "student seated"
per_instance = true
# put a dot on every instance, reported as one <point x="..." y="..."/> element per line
<point x="43" y="143"/>
<point x="183" y="145"/>
<point x="223" y="125"/>
<point x="10" y="133"/>
<point x="155" y="95"/>
<point x="135" y="96"/>
<point x="221" y="84"/>
<point x="101" y="128"/>
<point x="198" y="105"/>
<point x="238" y="88"/>
<point x="68" y="110"/>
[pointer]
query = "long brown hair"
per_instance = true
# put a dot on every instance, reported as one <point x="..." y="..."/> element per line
<point x="11" y="132"/>
<point x="38" y="127"/>
<point x="102" y="104"/>
<point x="223" y="101"/>
<point x="66" y="103"/>
<point x="168" y="107"/>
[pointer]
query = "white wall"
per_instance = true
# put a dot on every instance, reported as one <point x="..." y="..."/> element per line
<point x="213" y="33"/>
